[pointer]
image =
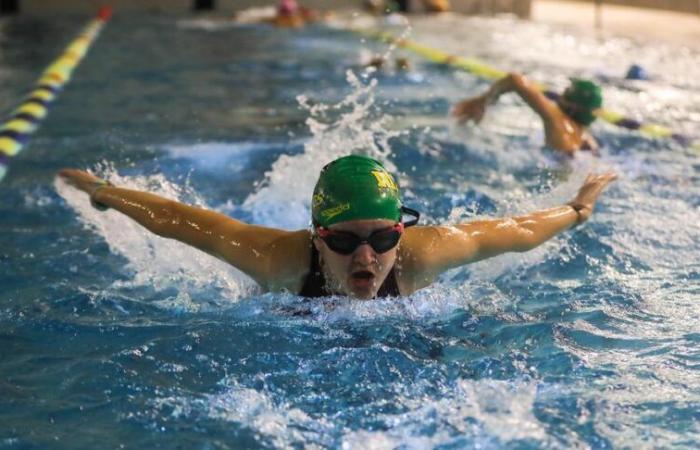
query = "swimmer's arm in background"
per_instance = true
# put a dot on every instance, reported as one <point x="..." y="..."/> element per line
<point x="426" y="252"/>
<point x="474" y="108"/>
<point x="272" y="257"/>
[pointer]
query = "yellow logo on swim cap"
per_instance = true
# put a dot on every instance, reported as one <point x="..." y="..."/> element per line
<point x="334" y="211"/>
<point x="384" y="180"/>
<point x="317" y="200"/>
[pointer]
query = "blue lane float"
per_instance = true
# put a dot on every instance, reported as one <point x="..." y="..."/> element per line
<point x="26" y="118"/>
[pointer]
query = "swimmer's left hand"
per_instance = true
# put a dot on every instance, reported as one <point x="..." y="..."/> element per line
<point x="589" y="192"/>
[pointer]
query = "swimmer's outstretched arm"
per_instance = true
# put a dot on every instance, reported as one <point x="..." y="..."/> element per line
<point x="426" y="252"/>
<point x="270" y="256"/>
<point x="474" y="108"/>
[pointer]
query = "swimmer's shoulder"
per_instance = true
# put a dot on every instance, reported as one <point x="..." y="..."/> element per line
<point x="564" y="135"/>
<point x="422" y="245"/>
<point x="423" y="253"/>
<point x="291" y="262"/>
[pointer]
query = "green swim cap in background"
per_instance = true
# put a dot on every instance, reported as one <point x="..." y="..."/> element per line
<point x="354" y="187"/>
<point x="584" y="97"/>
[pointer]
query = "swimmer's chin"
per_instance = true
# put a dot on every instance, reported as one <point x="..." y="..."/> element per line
<point x="363" y="285"/>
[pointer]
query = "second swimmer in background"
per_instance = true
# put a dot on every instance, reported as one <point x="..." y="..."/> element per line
<point x="565" y="119"/>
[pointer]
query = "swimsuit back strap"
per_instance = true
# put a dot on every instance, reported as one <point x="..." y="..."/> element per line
<point x="315" y="283"/>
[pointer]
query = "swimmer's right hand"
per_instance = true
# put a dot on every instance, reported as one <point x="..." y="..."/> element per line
<point x="470" y="109"/>
<point x="588" y="194"/>
<point x="81" y="179"/>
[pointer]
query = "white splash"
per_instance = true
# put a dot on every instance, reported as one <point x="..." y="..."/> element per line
<point x="489" y="412"/>
<point x="484" y="411"/>
<point x="257" y="410"/>
<point x="229" y="156"/>
<point x="349" y="127"/>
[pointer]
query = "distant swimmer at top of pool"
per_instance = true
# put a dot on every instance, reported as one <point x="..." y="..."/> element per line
<point x="291" y="15"/>
<point x="565" y="120"/>
<point x="358" y="245"/>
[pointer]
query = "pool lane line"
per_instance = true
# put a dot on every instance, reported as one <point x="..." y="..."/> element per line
<point x="487" y="72"/>
<point x="26" y="118"/>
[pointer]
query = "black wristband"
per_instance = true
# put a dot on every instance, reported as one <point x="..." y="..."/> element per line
<point x="99" y="185"/>
<point x="577" y="207"/>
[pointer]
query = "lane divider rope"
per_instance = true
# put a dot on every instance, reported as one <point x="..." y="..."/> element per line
<point x="26" y="118"/>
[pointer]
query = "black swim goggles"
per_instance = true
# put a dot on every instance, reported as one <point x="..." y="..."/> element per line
<point x="381" y="241"/>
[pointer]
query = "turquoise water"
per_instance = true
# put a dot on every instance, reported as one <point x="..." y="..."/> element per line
<point x="111" y="337"/>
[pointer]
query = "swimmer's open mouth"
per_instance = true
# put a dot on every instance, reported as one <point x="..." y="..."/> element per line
<point x="363" y="275"/>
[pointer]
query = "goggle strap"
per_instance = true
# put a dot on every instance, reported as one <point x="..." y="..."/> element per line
<point x="410" y="212"/>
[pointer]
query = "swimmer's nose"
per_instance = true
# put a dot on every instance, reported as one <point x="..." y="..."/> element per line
<point x="364" y="254"/>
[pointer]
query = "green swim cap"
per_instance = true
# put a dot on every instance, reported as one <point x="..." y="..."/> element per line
<point x="583" y="97"/>
<point x="354" y="187"/>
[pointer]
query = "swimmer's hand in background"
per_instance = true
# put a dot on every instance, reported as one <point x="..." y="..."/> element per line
<point x="588" y="194"/>
<point x="470" y="109"/>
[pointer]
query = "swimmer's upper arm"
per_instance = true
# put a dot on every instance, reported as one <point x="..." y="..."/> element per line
<point x="426" y="252"/>
<point x="496" y="236"/>
<point x="435" y="249"/>
<point x="270" y="256"/>
<point x="535" y="98"/>
<point x="276" y="259"/>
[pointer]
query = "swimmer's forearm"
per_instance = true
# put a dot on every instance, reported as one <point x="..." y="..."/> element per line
<point x="539" y="227"/>
<point x="249" y="248"/>
<point x="521" y="233"/>
<point x="164" y="217"/>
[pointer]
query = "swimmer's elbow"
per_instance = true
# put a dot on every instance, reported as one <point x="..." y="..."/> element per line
<point x="516" y="80"/>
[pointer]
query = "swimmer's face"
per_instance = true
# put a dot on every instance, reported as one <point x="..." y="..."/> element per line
<point x="361" y="273"/>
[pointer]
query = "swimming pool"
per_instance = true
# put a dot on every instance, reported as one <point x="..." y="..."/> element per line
<point x="111" y="337"/>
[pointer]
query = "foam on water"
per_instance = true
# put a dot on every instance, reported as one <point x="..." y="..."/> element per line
<point x="483" y="413"/>
<point x="269" y="418"/>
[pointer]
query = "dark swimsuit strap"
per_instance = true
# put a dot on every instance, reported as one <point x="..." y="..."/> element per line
<point x="315" y="283"/>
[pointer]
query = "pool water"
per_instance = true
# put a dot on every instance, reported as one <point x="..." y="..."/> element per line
<point x="113" y="338"/>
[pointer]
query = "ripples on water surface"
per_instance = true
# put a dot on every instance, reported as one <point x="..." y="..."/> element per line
<point x="110" y="336"/>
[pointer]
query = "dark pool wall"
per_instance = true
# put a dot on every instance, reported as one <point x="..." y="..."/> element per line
<point x="9" y="6"/>
<point x="688" y="6"/>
